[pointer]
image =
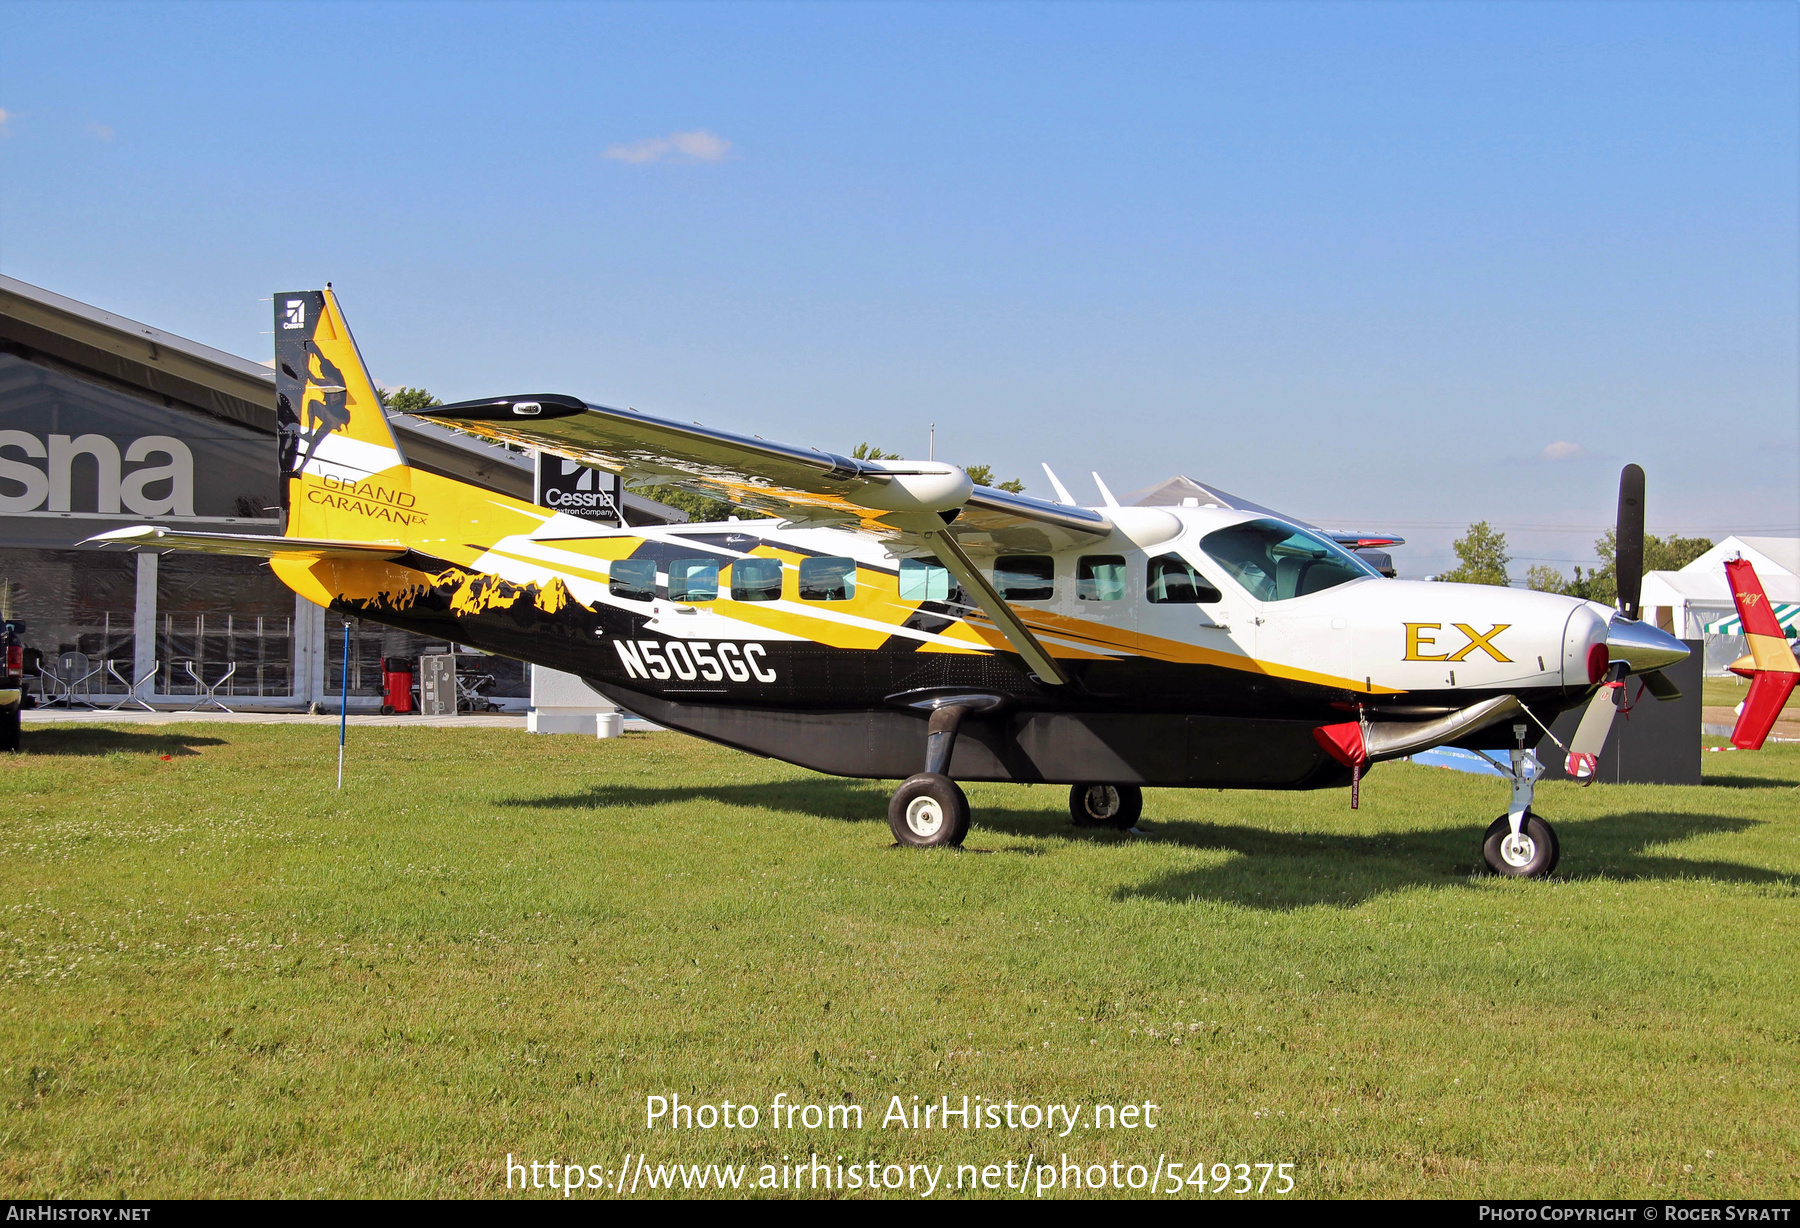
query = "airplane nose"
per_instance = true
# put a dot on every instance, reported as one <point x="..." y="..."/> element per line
<point x="1642" y="646"/>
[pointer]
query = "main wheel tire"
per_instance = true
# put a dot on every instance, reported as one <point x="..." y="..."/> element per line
<point x="1534" y="855"/>
<point x="1115" y="806"/>
<point x="9" y="728"/>
<point x="929" y="811"/>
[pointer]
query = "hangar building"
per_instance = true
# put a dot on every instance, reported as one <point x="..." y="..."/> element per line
<point x="106" y="422"/>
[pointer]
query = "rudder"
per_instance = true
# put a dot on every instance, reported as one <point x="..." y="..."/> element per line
<point x="334" y="431"/>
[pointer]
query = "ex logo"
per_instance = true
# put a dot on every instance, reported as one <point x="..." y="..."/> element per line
<point x="1419" y="637"/>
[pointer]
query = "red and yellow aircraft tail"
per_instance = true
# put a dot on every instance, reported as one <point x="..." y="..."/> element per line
<point x="1770" y="664"/>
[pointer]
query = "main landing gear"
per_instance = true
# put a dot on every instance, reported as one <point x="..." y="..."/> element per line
<point x="1115" y="806"/>
<point x="929" y="809"/>
<point x="1519" y="844"/>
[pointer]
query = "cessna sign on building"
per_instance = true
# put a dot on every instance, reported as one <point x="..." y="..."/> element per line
<point x="106" y="422"/>
<point x="150" y="489"/>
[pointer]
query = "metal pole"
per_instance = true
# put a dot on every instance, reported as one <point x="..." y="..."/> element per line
<point x="344" y="706"/>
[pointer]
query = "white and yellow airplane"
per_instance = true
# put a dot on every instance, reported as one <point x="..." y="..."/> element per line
<point x="892" y="620"/>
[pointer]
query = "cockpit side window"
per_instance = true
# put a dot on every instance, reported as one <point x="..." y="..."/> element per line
<point x="1276" y="561"/>
<point x="1170" y="579"/>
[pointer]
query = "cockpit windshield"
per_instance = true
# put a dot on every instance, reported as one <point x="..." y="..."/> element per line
<point x="1276" y="561"/>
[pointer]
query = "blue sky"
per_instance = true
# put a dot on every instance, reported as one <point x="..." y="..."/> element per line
<point x="1382" y="266"/>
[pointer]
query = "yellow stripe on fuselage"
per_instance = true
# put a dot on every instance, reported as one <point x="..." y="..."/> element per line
<point x="458" y="518"/>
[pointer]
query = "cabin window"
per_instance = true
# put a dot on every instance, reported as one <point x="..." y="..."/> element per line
<point x="694" y="580"/>
<point x="1025" y="577"/>
<point x="827" y="579"/>
<point x="756" y="580"/>
<point x="1170" y="580"/>
<point x="1100" y="577"/>
<point x="634" y="579"/>
<point x="922" y="580"/>
<point x="1275" y="561"/>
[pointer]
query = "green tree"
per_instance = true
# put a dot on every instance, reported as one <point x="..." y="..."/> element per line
<point x="411" y="400"/>
<point x="1483" y="555"/>
<point x="408" y="400"/>
<point x="983" y="475"/>
<point x="1546" y="579"/>
<point x="1670" y="553"/>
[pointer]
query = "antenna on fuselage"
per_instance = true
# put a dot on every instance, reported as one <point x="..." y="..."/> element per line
<point x="1105" y="494"/>
<point x="1062" y="492"/>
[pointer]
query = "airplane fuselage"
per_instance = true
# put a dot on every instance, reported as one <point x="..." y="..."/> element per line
<point x="727" y="631"/>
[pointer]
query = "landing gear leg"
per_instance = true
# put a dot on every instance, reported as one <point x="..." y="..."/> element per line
<point x="1519" y="844"/>
<point x="929" y="810"/>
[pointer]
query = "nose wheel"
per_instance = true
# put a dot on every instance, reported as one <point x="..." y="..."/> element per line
<point x="1531" y="852"/>
<point x="1519" y="844"/>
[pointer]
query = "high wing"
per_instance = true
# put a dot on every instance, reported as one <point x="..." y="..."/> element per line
<point x="919" y="507"/>
<point x="139" y="536"/>
<point x="798" y="484"/>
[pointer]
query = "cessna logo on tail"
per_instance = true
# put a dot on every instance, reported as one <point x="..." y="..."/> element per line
<point x="692" y="659"/>
<point x="1420" y="636"/>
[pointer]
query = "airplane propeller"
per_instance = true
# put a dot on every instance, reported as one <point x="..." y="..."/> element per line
<point x="1630" y="644"/>
<point x="1628" y="537"/>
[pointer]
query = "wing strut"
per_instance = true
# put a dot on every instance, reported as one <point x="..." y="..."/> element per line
<point x="994" y="606"/>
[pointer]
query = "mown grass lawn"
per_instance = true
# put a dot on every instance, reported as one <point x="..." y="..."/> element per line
<point x="223" y="977"/>
<point x="1729" y="692"/>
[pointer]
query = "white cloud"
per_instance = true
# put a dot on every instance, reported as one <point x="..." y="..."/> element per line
<point x="100" y="132"/>
<point x="4" y="116"/>
<point x="696" y="146"/>
<point x="1563" y="450"/>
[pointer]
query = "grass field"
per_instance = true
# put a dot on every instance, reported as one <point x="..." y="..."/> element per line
<point x="223" y="977"/>
<point x="1730" y="692"/>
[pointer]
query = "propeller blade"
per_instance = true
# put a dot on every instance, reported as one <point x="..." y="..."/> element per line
<point x="1596" y="723"/>
<point x="1628" y="564"/>
<point x="1662" y="686"/>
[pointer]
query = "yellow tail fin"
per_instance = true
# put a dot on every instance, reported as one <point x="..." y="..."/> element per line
<point x="343" y="474"/>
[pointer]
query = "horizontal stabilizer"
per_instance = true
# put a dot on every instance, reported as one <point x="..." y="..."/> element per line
<point x="156" y="537"/>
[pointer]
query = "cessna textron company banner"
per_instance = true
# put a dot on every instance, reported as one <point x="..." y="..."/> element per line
<point x="566" y="486"/>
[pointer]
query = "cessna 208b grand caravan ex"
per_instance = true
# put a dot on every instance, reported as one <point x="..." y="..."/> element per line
<point x="894" y="621"/>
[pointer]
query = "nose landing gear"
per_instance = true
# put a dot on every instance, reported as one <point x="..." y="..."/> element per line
<point x="1519" y="844"/>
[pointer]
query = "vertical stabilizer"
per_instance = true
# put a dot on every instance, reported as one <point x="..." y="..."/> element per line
<point x="338" y="453"/>
<point x="331" y="418"/>
<point x="1771" y="666"/>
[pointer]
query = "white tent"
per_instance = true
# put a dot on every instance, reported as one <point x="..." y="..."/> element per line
<point x="1685" y="602"/>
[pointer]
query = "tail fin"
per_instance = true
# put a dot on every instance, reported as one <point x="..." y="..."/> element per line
<point x="335" y="438"/>
<point x="1770" y="665"/>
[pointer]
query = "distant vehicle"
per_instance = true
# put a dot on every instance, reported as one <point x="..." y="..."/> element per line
<point x="12" y="683"/>
<point x="894" y="620"/>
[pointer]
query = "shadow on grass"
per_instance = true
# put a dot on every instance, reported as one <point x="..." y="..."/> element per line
<point x="825" y="797"/>
<point x="1272" y="869"/>
<point x="1750" y="782"/>
<point x="79" y="740"/>
<point x="1286" y="870"/>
